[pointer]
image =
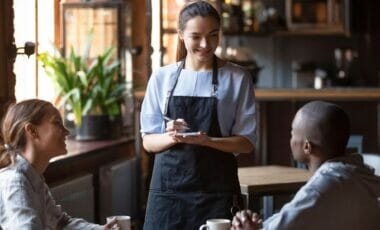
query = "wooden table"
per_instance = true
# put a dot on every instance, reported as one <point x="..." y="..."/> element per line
<point x="266" y="181"/>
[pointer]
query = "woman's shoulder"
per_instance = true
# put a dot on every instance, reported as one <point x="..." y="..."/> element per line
<point x="163" y="74"/>
<point x="166" y="70"/>
<point x="11" y="175"/>
<point x="20" y="169"/>
<point x="234" y="68"/>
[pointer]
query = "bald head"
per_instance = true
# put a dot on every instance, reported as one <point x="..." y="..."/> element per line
<point x="325" y="125"/>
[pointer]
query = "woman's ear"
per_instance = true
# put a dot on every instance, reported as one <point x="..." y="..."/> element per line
<point x="31" y="131"/>
<point x="307" y="147"/>
<point x="180" y="35"/>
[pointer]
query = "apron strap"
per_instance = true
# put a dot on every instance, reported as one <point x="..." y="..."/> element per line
<point x="235" y="204"/>
<point x="173" y="82"/>
<point x="214" y="77"/>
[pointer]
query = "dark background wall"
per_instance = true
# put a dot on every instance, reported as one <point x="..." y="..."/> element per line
<point x="7" y="81"/>
<point x="275" y="52"/>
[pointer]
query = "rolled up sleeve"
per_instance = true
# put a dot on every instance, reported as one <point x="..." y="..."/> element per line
<point x="151" y="110"/>
<point x="245" y="117"/>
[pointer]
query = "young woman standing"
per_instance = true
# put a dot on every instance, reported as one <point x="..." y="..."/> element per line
<point x="195" y="177"/>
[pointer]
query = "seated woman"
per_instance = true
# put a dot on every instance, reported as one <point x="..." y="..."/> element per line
<point x="32" y="133"/>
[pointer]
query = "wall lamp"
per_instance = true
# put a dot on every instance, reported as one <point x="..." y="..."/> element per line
<point x="28" y="49"/>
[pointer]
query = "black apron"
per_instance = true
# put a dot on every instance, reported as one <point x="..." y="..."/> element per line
<point x="191" y="183"/>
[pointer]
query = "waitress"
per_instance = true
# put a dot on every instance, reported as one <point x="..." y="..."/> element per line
<point x="195" y="176"/>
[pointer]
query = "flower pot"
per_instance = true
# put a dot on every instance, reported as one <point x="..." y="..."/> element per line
<point x="99" y="127"/>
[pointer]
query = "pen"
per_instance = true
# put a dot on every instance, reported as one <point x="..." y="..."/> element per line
<point x="166" y="118"/>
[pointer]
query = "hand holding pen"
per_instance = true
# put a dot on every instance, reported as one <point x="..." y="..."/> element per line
<point x="178" y="125"/>
<point x="178" y="128"/>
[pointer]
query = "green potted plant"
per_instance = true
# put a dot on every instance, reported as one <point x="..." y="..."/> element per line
<point x="93" y="89"/>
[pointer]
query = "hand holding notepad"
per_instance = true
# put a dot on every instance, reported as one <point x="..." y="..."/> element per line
<point x="180" y="126"/>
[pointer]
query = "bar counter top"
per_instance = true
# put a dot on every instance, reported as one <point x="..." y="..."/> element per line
<point x="305" y="94"/>
<point x="86" y="157"/>
<point x="80" y="149"/>
<point x="334" y="94"/>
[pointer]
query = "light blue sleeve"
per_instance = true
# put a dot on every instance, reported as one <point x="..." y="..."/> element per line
<point x="20" y="210"/>
<point x="245" y="119"/>
<point x="304" y="210"/>
<point x="152" y="107"/>
<point x="307" y="210"/>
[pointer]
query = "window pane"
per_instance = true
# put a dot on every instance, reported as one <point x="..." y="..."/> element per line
<point x="169" y="41"/>
<point x="27" y="77"/>
<point x="46" y="11"/>
<point x="78" y="23"/>
<point x="24" y="67"/>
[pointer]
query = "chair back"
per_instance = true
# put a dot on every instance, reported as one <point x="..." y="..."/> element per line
<point x="372" y="160"/>
<point x="355" y="143"/>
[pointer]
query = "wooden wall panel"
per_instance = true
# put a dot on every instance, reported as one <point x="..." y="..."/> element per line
<point x="140" y="38"/>
<point x="7" y="77"/>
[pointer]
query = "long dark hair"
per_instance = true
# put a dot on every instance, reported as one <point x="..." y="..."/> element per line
<point x="191" y="10"/>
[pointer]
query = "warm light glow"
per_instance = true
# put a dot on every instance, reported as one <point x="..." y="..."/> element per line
<point x="46" y="89"/>
<point x="24" y="68"/>
<point x="25" y="30"/>
<point x="155" y="37"/>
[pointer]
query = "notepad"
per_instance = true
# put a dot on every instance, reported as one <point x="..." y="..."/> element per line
<point x="188" y="134"/>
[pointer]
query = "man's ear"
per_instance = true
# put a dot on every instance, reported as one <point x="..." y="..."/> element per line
<point x="307" y="147"/>
<point x="31" y="130"/>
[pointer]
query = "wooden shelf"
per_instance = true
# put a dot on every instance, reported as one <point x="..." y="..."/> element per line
<point x="247" y="33"/>
<point x="333" y="94"/>
<point x="169" y="31"/>
<point x="283" y="33"/>
<point x="278" y="33"/>
<point x="77" y="149"/>
<point x="311" y="33"/>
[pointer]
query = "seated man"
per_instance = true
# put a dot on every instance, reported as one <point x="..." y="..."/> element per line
<point x="343" y="193"/>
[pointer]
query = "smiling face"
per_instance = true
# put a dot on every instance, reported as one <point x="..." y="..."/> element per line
<point x="51" y="134"/>
<point x="201" y="38"/>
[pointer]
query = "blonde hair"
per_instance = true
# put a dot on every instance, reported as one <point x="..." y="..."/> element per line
<point x="12" y="127"/>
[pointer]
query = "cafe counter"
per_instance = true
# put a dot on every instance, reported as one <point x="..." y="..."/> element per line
<point x="303" y="94"/>
<point x="96" y="179"/>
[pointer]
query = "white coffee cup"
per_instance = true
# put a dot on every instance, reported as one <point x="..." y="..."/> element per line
<point x="216" y="224"/>
<point x="123" y="222"/>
